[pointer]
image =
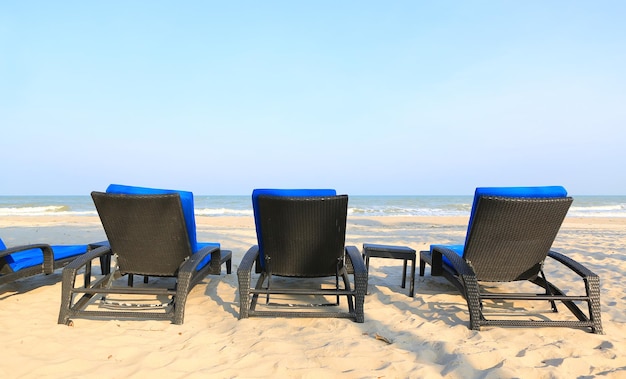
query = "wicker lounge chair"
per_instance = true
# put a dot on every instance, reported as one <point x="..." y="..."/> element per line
<point x="148" y="236"/>
<point x="510" y="234"/>
<point x="301" y="234"/>
<point x="28" y="260"/>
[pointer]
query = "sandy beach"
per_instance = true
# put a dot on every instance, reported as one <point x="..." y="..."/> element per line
<point x="422" y="337"/>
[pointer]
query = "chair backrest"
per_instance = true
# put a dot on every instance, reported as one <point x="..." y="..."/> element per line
<point x="147" y="232"/>
<point x="186" y="199"/>
<point x="280" y="192"/>
<point x="512" y="229"/>
<point x="303" y="236"/>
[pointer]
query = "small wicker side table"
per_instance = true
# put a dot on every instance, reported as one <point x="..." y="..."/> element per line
<point x="394" y="252"/>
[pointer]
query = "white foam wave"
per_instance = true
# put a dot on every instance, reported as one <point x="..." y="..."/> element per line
<point x="223" y="212"/>
<point x="600" y="208"/>
<point x="50" y="210"/>
<point x="613" y="210"/>
<point x="399" y="211"/>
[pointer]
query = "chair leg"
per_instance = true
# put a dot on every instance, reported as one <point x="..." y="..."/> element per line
<point x="68" y="282"/>
<point x="268" y="269"/>
<point x="592" y="285"/>
<point x="244" y="293"/>
<point x="472" y="296"/>
<point x="269" y="285"/>
<point x="360" y="288"/>
<point x="183" y="285"/>
<point x="339" y="268"/>
<point x="549" y="292"/>
<point x="337" y="287"/>
<point x="259" y="285"/>
<point x="346" y="283"/>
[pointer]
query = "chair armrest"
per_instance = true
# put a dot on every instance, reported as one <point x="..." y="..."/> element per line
<point x="248" y="260"/>
<point x="458" y="263"/>
<point x="83" y="259"/>
<point x="191" y="264"/>
<point x="356" y="259"/>
<point x="15" y="249"/>
<point x="571" y="264"/>
<point x="46" y="250"/>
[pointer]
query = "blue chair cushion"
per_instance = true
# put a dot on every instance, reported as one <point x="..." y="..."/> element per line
<point x="34" y="257"/>
<point x="458" y="249"/>
<point x="281" y="192"/>
<point x="2" y="245"/>
<point x="206" y="260"/>
<point x="186" y="199"/>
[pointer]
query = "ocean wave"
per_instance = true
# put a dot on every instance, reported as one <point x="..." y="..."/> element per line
<point x="600" y="208"/>
<point x="399" y="211"/>
<point x="49" y="210"/>
<point x="223" y="212"/>
<point x="612" y="210"/>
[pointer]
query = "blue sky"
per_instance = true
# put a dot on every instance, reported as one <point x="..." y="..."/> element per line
<point x="368" y="97"/>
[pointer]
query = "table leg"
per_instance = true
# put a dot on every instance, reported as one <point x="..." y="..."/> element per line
<point x="412" y="289"/>
<point x="404" y="274"/>
<point x="367" y="269"/>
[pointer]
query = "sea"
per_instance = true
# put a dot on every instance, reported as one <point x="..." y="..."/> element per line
<point x="241" y="206"/>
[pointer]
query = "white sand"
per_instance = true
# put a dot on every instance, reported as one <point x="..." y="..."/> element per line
<point x="429" y="333"/>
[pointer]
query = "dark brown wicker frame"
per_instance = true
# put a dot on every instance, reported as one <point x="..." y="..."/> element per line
<point x="303" y="237"/>
<point x="48" y="266"/>
<point x="148" y="235"/>
<point x="509" y="240"/>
